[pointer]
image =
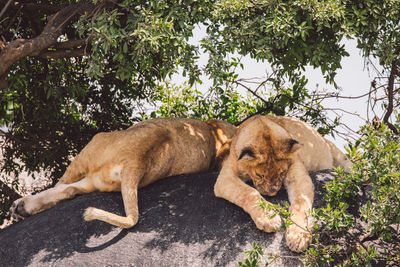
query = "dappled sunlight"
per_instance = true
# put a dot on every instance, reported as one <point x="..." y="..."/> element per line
<point x="306" y="199"/>
<point x="193" y="132"/>
<point x="311" y="145"/>
<point x="177" y="215"/>
<point x="101" y="239"/>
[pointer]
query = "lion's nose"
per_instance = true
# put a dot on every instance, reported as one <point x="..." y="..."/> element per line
<point x="273" y="190"/>
<point x="272" y="193"/>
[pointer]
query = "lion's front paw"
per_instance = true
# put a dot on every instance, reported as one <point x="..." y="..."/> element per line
<point x="297" y="239"/>
<point x="265" y="222"/>
<point x="18" y="211"/>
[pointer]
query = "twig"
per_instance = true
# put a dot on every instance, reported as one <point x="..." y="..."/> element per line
<point x="357" y="240"/>
<point x="332" y="95"/>
<point x="345" y="111"/>
<point x="251" y="91"/>
<point x="3" y="10"/>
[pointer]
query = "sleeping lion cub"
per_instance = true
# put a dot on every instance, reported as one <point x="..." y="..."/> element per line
<point x="130" y="159"/>
<point x="270" y="151"/>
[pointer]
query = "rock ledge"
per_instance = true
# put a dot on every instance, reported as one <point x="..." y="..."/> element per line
<point x="181" y="224"/>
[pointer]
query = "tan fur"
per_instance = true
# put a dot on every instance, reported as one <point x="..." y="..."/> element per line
<point x="127" y="160"/>
<point x="271" y="151"/>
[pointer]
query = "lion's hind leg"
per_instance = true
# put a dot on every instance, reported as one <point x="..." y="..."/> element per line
<point x="129" y="188"/>
<point x="76" y="171"/>
<point x="44" y="200"/>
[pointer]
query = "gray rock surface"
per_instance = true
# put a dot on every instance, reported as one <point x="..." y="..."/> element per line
<point x="181" y="224"/>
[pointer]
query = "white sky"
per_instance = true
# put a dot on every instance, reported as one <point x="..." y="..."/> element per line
<point x="353" y="80"/>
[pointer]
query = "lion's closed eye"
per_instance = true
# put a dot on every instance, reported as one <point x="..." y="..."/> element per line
<point x="246" y="152"/>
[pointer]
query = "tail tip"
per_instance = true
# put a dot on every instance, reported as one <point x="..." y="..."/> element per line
<point x="89" y="214"/>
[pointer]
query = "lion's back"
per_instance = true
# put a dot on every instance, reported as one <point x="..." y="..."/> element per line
<point x="166" y="146"/>
<point x="316" y="152"/>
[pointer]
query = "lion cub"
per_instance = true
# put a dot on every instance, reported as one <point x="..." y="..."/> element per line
<point x="270" y="151"/>
<point x="127" y="160"/>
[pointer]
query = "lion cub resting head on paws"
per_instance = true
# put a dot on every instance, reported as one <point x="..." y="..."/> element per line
<point x="271" y="151"/>
<point x="127" y="160"/>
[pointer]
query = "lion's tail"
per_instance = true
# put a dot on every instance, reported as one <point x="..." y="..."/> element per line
<point x="91" y="214"/>
<point x="130" y="178"/>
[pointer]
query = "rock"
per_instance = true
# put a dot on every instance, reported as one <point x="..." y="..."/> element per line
<point x="181" y="224"/>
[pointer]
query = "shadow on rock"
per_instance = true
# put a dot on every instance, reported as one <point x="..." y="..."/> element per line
<point x="181" y="223"/>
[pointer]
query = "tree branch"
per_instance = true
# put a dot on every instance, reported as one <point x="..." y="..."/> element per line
<point x="63" y="53"/>
<point x="251" y="91"/>
<point x="3" y="10"/>
<point x="71" y="48"/>
<point x="21" y="48"/>
<point x="43" y="7"/>
<point x="390" y="89"/>
<point x="72" y="44"/>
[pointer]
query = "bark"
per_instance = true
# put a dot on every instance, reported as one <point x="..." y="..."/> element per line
<point x="64" y="53"/>
<point x="4" y="9"/>
<point x="390" y="95"/>
<point x="20" y="48"/>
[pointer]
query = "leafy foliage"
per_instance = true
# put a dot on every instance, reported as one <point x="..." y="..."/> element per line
<point x="252" y="256"/>
<point x="185" y="101"/>
<point x="288" y="34"/>
<point x="361" y="223"/>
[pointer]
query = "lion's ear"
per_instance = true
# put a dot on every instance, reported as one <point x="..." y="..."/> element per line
<point x="222" y="155"/>
<point x="292" y="146"/>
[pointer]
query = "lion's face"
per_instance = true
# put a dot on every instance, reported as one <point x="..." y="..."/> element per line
<point x="263" y="151"/>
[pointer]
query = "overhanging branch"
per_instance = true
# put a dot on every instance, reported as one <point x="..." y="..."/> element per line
<point x="21" y="48"/>
<point x="3" y="10"/>
<point x="72" y="44"/>
<point x="63" y="53"/>
<point x="71" y="48"/>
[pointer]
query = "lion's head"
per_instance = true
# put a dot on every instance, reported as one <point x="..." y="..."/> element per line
<point x="263" y="152"/>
